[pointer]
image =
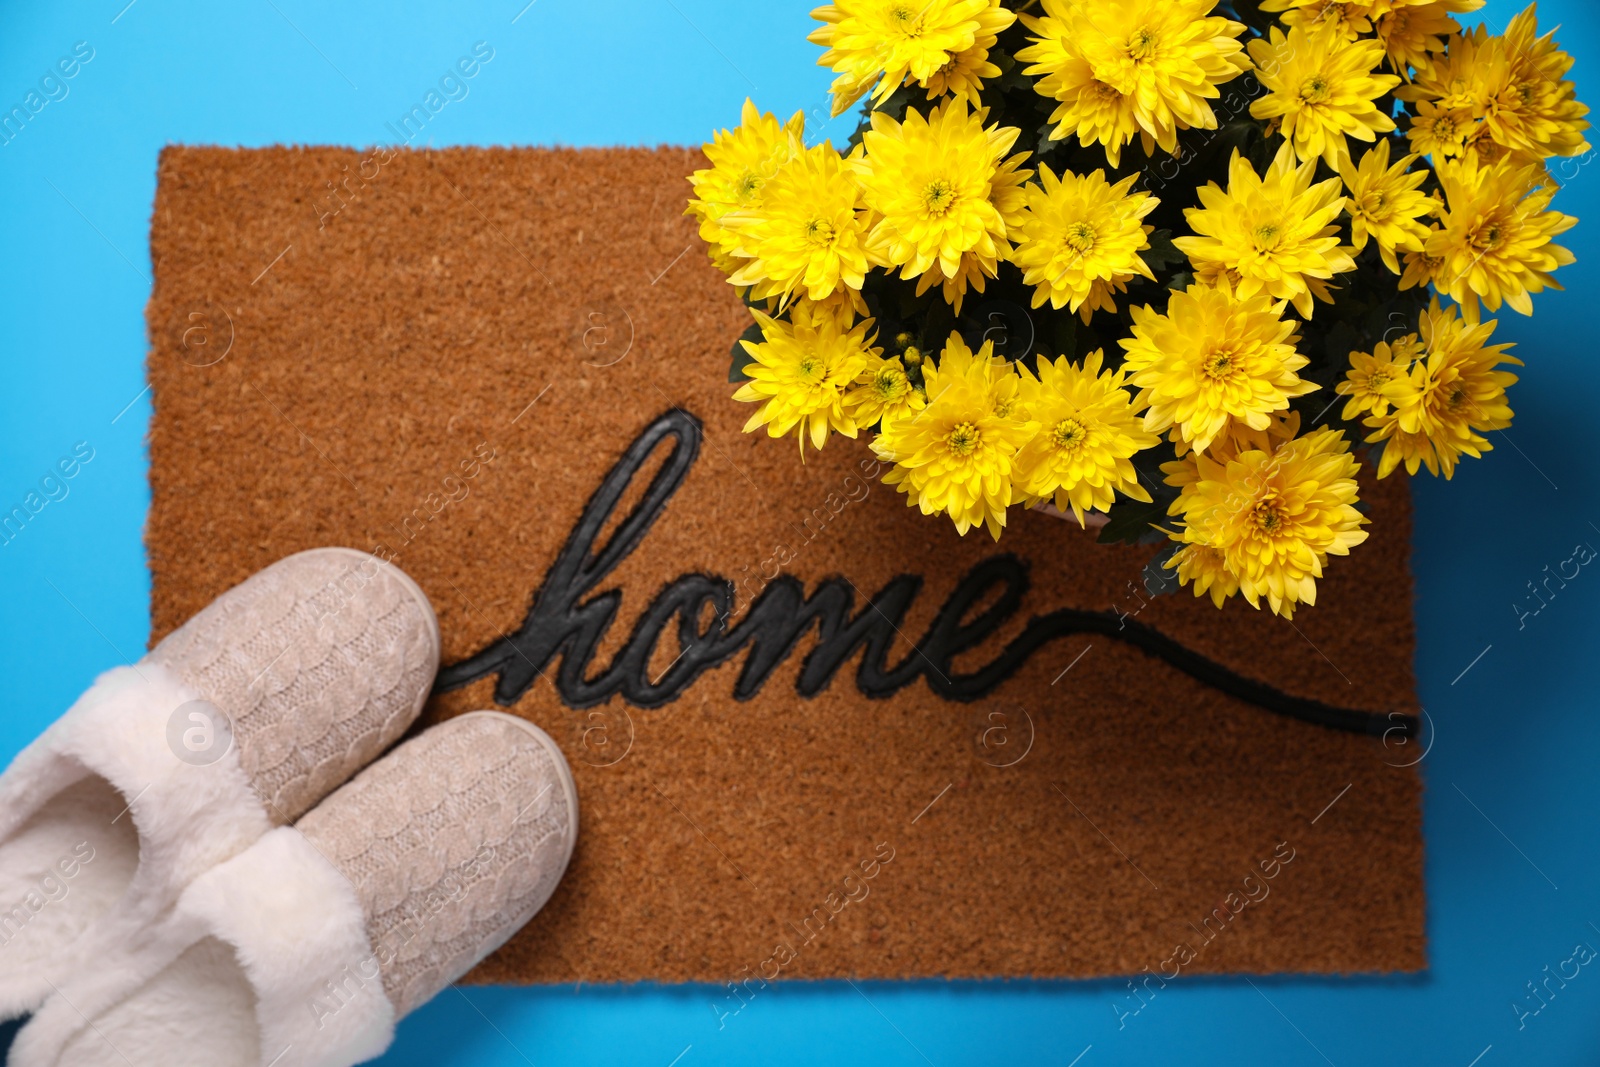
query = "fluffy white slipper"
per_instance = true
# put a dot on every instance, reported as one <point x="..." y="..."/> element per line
<point x="306" y="948"/>
<point x="238" y="721"/>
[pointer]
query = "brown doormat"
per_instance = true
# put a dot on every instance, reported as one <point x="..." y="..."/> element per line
<point x="507" y="369"/>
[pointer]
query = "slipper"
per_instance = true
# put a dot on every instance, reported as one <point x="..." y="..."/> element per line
<point x="306" y="948"/>
<point x="239" y="721"/>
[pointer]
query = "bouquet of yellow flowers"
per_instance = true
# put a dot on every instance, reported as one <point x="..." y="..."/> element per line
<point x="1168" y="261"/>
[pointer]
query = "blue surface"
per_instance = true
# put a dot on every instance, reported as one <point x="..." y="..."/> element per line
<point x="1517" y="733"/>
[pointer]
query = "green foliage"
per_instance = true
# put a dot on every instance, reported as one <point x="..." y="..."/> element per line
<point x="1137" y="522"/>
<point x="1133" y="522"/>
<point x="741" y="357"/>
<point x="1159" y="579"/>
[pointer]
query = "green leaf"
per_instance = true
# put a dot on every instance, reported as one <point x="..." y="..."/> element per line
<point x="1162" y="251"/>
<point x="1011" y="77"/>
<point x="897" y="102"/>
<point x="936" y="326"/>
<point x="1159" y="579"/>
<point x="1045" y="144"/>
<point x="1341" y="340"/>
<point x="742" y="358"/>
<point x="1063" y="335"/>
<point x="1131" y="521"/>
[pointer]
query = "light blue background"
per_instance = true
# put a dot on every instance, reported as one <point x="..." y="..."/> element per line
<point x="1517" y="734"/>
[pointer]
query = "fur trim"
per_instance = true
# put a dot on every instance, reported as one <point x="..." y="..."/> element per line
<point x="171" y="822"/>
<point x="275" y="938"/>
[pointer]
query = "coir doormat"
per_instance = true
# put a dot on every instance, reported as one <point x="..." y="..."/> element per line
<point x="815" y="734"/>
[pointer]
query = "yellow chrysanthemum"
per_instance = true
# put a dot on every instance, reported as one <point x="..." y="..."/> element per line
<point x="1420" y="268"/>
<point x="1454" y="92"/>
<point x="1145" y="67"/>
<point x="742" y="161"/>
<point x="1410" y="30"/>
<point x="1088" y="107"/>
<point x="808" y="235"/>
<point x="962" y="77"/>
<point x="881" y="393"/>
<point x="932" y="183"/>
<point x="1007" y="196"/>
<point x="1540" y="112"/>
<point x="1079" y="230"/>
<point x="1275" y="517"/>
<point x="958" y="454"/>
<point x="1440" y="132"/>
<point x="1275" y="235"/>
<point x="1089" y="429"/>
<point x="1499" y="96"/>
<point x="1103" y="296"/>
<point x="1320" y="91"/>
<point x="1451" y="397"/>
<point x="892" y="41"/>
<point x="1349" y="18"/>
<point x="1282" y="426"/>
<point x="1372" y="372"/>
<point x="1206" y="569"/>
<point x="1413" y="34"/>
<point x="1213" y="360"/>
<point x="1385" y="204"/>
<point x="1495" y="237"/>
<point x="1485" y="151"/>
<point x="802" y="369"/>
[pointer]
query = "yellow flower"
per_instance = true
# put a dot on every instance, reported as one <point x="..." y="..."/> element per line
<point x="1413" y="34"/>
<point x="1320" y="90"/>
<point x="1146" y="67"/>
<point x="1088" y="431"/>
<point x="1281" y="426"/>
<point x="1452" y="395"/>
<point x="1421" y="268"/>
<point x="1274" y="517"/>
<point x="1372" y="372"/>
<point x="1275" y="235"/>
<point x="962" y="76"/>
<point x="1485" y="151"/>
<point x="1349" y="18"/>
<point x="1212" y="361"/>
<point x="1410" y="30"/>
<point x="742" y="162"/>
<point x="808" y="234"/>
<point x="1510" y="90"/>
<point x="882" y="392"/>
<point x="1007" y="196"/>
<point x="1385" y="205"/>
<point x="932" y="183"/>
<point x="1454" y="91"/>
<point x="1495" y="236"/>
<point x="1440" y="132"/>
<point x="958" y="454"/>
<point x="1538" y="111"/>
<point x="1008" y="192"/>
<point x="1088" y="107"/>
<point x="1079" y="230"/>
<point x="891" y="41"/>
<point x="1103" y="296"/>
<point x="1207" y="570"/>
<point x="802" y="369"/>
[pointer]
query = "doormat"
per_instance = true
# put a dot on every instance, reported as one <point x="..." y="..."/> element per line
<point x="814" y="734"/>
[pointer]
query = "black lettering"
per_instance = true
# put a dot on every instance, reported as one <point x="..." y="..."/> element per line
<point x="561" y="621"/>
